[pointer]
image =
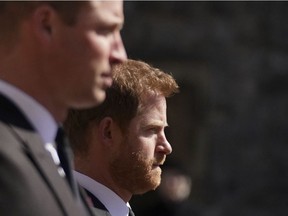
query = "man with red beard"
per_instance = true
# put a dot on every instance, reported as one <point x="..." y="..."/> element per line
<point x="120" y="145"/>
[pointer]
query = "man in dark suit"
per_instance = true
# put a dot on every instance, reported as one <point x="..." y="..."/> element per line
<point x="53" y="55"/>
<point x="120" y="145"/>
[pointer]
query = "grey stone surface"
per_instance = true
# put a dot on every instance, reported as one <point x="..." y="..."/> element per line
<point x="229" y="124"/>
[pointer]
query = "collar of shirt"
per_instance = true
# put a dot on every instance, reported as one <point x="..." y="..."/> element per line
<point x="114" y="204"/>
<point x="37" y="114"/>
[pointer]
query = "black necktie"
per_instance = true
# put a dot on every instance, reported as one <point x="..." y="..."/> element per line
<point x="66" y="159"/>
<point x="131" y="213"/>
<point x="65" y="155"/>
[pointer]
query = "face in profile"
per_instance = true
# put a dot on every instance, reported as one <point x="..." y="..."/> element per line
<point x="84" y="53"/>
<point x="135" y="166"/>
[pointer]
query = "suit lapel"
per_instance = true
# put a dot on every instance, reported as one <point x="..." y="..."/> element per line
<point x="98" y="206"/>
<point x="35" y="151"/>
<point x="96" y="202"/>
<point x="44" y="164"/>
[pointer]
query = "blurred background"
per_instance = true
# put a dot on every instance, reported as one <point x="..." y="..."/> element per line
<point x="229" y="124"/>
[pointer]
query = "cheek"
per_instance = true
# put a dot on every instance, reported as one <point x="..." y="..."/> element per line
<point x="146" y="146"/>
<point x="99" y="45"/>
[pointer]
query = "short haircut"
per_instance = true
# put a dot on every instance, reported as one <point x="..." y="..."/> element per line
<point x="12" y="12"/>
<point x="132" y="81"/>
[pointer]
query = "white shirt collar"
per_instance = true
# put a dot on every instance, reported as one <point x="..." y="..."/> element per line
<point x="37" y="114"/>
<point x="114" y="204"/>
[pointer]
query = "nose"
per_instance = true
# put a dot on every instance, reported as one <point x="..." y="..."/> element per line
<point x="118" y="52"/>
<point x="163" y="145"/>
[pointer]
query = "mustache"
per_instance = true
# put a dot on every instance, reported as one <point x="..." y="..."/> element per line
<point x="159" y="160"/>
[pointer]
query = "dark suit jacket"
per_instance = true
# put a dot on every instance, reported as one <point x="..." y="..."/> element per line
<point x="29" y="182"/>
<point x="99" y="208"/>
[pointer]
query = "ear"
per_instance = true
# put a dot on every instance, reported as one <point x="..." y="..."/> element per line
<point x="105" y="130"/>
<point x="43" y="21"/>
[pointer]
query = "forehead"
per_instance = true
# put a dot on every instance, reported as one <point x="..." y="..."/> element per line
<point x="152" y="111"/>
<point x="104" y="11"/>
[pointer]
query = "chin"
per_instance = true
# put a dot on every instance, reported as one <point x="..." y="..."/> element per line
<point x="94" y="100"/>
<point x="99" y="96"/>
<point x="154" y="181"/>
<point x="151" y="185"/>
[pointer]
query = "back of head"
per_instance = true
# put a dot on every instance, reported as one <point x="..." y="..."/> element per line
<point x="132" y="82"/>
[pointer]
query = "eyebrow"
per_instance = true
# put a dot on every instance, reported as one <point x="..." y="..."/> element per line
<point x="157" y="123"/>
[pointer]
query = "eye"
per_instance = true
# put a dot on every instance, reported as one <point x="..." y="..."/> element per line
<point x="153" y="130"/>
<point x="104" y="31"/>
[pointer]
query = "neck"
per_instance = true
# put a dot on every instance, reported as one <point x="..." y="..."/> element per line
<point x="100" y="173"/>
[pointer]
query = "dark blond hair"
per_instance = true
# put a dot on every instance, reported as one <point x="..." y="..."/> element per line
<point x="132" y="81"/>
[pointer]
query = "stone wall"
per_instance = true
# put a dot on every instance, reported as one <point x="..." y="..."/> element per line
<point x="229" y="124"/>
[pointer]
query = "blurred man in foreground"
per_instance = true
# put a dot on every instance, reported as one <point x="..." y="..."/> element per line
<point x="53" y="56"/>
